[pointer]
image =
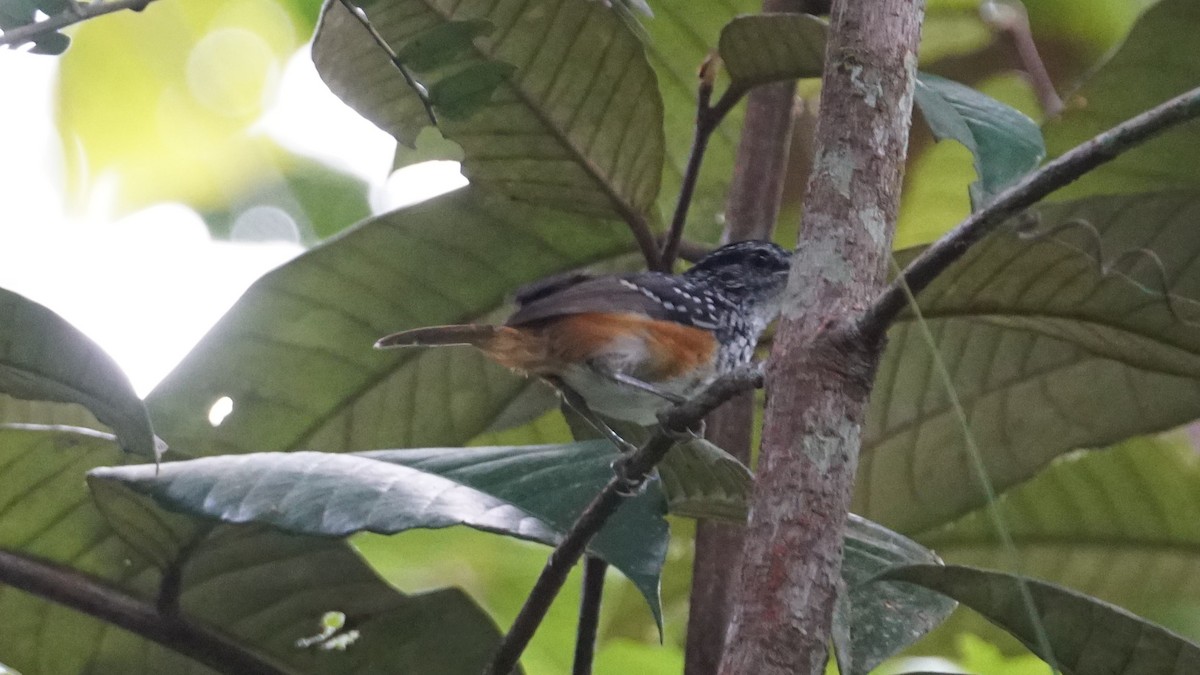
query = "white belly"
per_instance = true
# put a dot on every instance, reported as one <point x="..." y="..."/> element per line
<point x="623" y="402"/>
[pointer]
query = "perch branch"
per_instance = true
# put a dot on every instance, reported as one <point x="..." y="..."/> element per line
<point x="1064" y="170"/>
<point x="92" y="596"/>
<point x="677" y="420"/>
<point x="75" y="13"/>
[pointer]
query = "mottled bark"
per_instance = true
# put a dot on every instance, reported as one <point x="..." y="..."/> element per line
<point x="820" y="372"/>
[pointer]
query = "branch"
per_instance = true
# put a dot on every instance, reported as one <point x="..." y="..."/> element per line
<point x="589" y="615"/>
<point x="1064" y="170"/>
<point x="95" y="597"/>
<point x="708" y="118"/>
<point x="75" y="13"/>
<point x="635" y="467"/>
<point x="422" y="93"/>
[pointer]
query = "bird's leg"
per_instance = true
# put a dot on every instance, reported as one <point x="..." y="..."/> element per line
<point x="630" y="486"/>
<point x="623" y="378"/>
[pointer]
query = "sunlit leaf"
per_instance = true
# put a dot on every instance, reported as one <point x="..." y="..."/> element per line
<point x="703" y="481"/>
<point x="763" y="48"/>
<point x="1154" y="64"/>
<point x="261" y="587"/>
<point x="533" y="493"/>
<point x="295" y="354"/>
<point x="1045" y="354"/>
<point x="1085" y="635"/>
<point x="555" y="105"/>
<point x="44" y="358"/>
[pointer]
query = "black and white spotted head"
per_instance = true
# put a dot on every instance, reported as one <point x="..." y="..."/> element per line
<point x="752" y="274"/>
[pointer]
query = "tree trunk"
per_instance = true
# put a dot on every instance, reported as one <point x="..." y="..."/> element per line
<point x="821" y="372"/>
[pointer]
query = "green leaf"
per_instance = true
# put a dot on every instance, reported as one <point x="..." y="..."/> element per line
<point x="1155" y="63"/>
<point x="295" y="354"/>
<point x="265" y="589"/>
<point x="442" y="44"/>
<point x="763" y="48"/>
<point x="1005" y="143"/>
<point x="532" y="493"/>
<point x="44" y="358"/>
<point x="703" y="481"/>
<point x="885" y="617"/>
<point x="1046" y="355"/>
<point x="577" y="125"/>
<point x="1085" y="635"/>
<point x="1101" y="522"/>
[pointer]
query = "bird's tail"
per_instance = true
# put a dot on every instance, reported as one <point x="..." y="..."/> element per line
<point x="476" y="335"/>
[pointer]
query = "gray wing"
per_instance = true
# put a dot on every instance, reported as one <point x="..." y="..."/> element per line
<point x="658" y="296"/>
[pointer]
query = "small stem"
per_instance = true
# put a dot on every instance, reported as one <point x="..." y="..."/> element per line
<point x="589" y="615"/>
<point x="708" y="118"/>
<point x="75" y="13"/>
<point x="677" y="420"/>
<point x="95" y="597"/>
<point x="1064" y="170"/>
<point x="417" y="87"/>
<point x="1011" y="17"/>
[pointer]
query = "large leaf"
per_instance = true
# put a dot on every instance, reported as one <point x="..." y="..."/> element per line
<point x="764" y="48"/>
<point x="1085" y="635"/>
<point x="533" y="493"/>
<point x="1005" y="143"/>
<point x="1102" y="523"/>
<point x="295" y="353"/>
<point x="1156" y="63"/>
<point x="44" y="358"/>
<point x="552" y="101"/>
<point x="1045" y="354"/>
<point x="264" y="588"/>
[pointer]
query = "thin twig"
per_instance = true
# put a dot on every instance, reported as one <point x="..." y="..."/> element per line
<point x="95" y="597"/>
<point x="1064" y="170"/>
<point x="75" y="13"/>
<point x="708" y="118"/>
<point x="676" y="420"/>
<point x="594" y="570"/>
<point x="1011" y="17"/>
<point x="420" y="90"/>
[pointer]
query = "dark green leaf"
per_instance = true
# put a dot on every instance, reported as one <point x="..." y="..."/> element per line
<point x="44" y="358"/>
<point x="264" y="588"/>
<point x="885" y="617"/>
<point x="1085" y="635"/>
<point x="51" y="44"/>
<point x="1005" y="143"/>
<point x="1156" y="63"/>
<point x="532" y="493"/>
<point x="703" y="481"/>
<point x="442" y="44"/>
<point x="578" y="125"/>
<point x="1046" y="355"/>
<point x="460" y="95"/>
<point x="295" y="354"/>
<point x="764" y="48"/>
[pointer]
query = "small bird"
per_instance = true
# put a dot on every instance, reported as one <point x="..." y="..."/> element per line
<point x="629" y="346"/>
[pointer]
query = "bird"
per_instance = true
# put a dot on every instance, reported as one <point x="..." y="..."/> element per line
<point x="629" y="346"/>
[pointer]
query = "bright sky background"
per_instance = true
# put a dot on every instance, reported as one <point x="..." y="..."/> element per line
<point x="147" y="286"/>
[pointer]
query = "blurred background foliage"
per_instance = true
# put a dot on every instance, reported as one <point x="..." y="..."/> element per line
<point x="165" y="105"/>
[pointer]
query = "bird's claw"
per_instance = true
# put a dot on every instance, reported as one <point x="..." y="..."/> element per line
<point x="628" y="486"/>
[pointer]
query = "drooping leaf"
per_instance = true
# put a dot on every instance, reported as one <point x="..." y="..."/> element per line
<point x="532" y="493"/>
<point x="554" y="105"/>
<point x="1005" y="143"/>
<point x="295" y="354"/>
<point x="1155" y="63"/>
<point x="1100" y="522"/>
<point x="885" y="617"/>
<point x="763" y="48"/>
<point x="263" y="588"/>
<point x="1045" y="354"/>
<point x="44" y="358"/>
<point x="1085" y="635"/>
<point x="703" y="481"/>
